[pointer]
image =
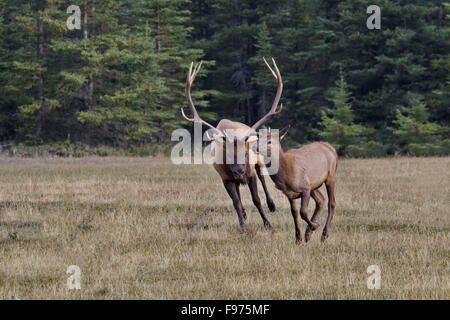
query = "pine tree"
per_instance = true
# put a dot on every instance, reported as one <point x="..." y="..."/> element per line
<point x="338" y="123"/>
<point x="295" y="29"/>
<point x="415" y="134"/>
<point x="382" y="66"/>
<point x="120" y="80"/>
<point x="231" y="45"/>
<point x="122" y="64"/>
<point x="439" y="93"/>
<point x="133" y="56"/>
<point x="262" y="78"/>
<point x="170" y="26"/>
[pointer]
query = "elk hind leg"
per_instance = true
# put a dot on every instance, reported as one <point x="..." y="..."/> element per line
<point x="304" y="210"/>
<point x="320" y="201"/>
<point x="331" y="206"/>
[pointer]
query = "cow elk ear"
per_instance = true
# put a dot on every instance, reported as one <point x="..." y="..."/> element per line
<point x="284" y="131"/>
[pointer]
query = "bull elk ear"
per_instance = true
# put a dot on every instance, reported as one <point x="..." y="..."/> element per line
<point x="251" y="138"/>
<point x="217" y="136"/>
<point x="250" y="142"/>
<point x="284" y="131"/>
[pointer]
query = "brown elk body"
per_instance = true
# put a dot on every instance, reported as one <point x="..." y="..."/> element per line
<point x="301" y="172"/>
<point x="235" y="174"/>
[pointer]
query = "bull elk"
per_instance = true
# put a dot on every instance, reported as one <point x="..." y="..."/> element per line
<point x="301" y="172"/>
<point x="235" y="174"/>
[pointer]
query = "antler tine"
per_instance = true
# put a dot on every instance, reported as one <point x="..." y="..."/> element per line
<point x="189" y="81"/>
<point x="184" y="116"/>
<point x="196" y="70"/>
<point x="279" y="110"/>
<point x="268" y="66"/>
<point x="276" y="67"/>
<point x="273" y="110"/>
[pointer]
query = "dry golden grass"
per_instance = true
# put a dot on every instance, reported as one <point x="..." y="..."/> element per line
<point x="144" y="228"/>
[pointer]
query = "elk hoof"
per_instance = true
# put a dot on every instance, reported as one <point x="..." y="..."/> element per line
<point x="308" y="234"/>
<point x="324" y="237"/>
<point x="268" y="226"/>
<point x="298" y="241"/>
<point x="314" y="226"/>
<point x="271" y="206"/>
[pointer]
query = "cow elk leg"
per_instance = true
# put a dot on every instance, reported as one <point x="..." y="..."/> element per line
<point x="294" y="212"/>
<point x="331" y="207"/>
<point x="304" y="210"/>
<point x="320" y="201"/>
<point x="269" y="200"/>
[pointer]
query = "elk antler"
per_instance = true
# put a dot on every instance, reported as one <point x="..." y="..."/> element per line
<point x="273" y="110"/>
<point x="190" y="80"/>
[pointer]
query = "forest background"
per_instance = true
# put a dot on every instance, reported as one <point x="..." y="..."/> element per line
<point x="116" y="85"/>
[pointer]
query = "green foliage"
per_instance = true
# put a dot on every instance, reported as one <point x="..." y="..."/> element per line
<point x="338" y="124"/>
<point x="119" y="81"/>
<point x="415" y="134"/>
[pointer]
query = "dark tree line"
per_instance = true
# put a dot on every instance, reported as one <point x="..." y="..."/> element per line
<point x="118" y="82"/>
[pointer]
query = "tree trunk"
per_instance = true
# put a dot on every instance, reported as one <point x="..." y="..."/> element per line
<point x="262" y="106"/>
<point x="40" y="56"/>
<point x="85" y="24"/>
<point x="158" y="31"/>
<point x="90" y="85"/>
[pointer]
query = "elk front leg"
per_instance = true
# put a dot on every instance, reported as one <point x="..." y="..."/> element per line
<point x="304" y="210"/>
<point x="269" y="200"/>
<point x="253" y="186"/>
<point x="294" y="211"/>
<point x="320" y="201"/>
<point x="232" y="189"/>
<point x="244" y="213"/>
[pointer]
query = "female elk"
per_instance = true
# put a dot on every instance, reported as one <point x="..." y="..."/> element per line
<point x="234" y="174"/>
<point x="301" y="172"/>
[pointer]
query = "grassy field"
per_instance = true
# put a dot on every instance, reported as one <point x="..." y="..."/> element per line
<point x="143" y="228"/>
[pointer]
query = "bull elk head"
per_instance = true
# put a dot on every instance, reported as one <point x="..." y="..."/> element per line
<point x="193" y="71"/>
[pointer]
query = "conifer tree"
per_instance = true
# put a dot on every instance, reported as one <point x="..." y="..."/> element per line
<point x="119" y="80"/>
<point x="416" y="135"/>
<point x="338" y="124"/>
<point x="262" y="78"/>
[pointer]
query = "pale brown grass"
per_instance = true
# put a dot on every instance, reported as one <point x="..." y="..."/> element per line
<point x="144" y="228"/>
